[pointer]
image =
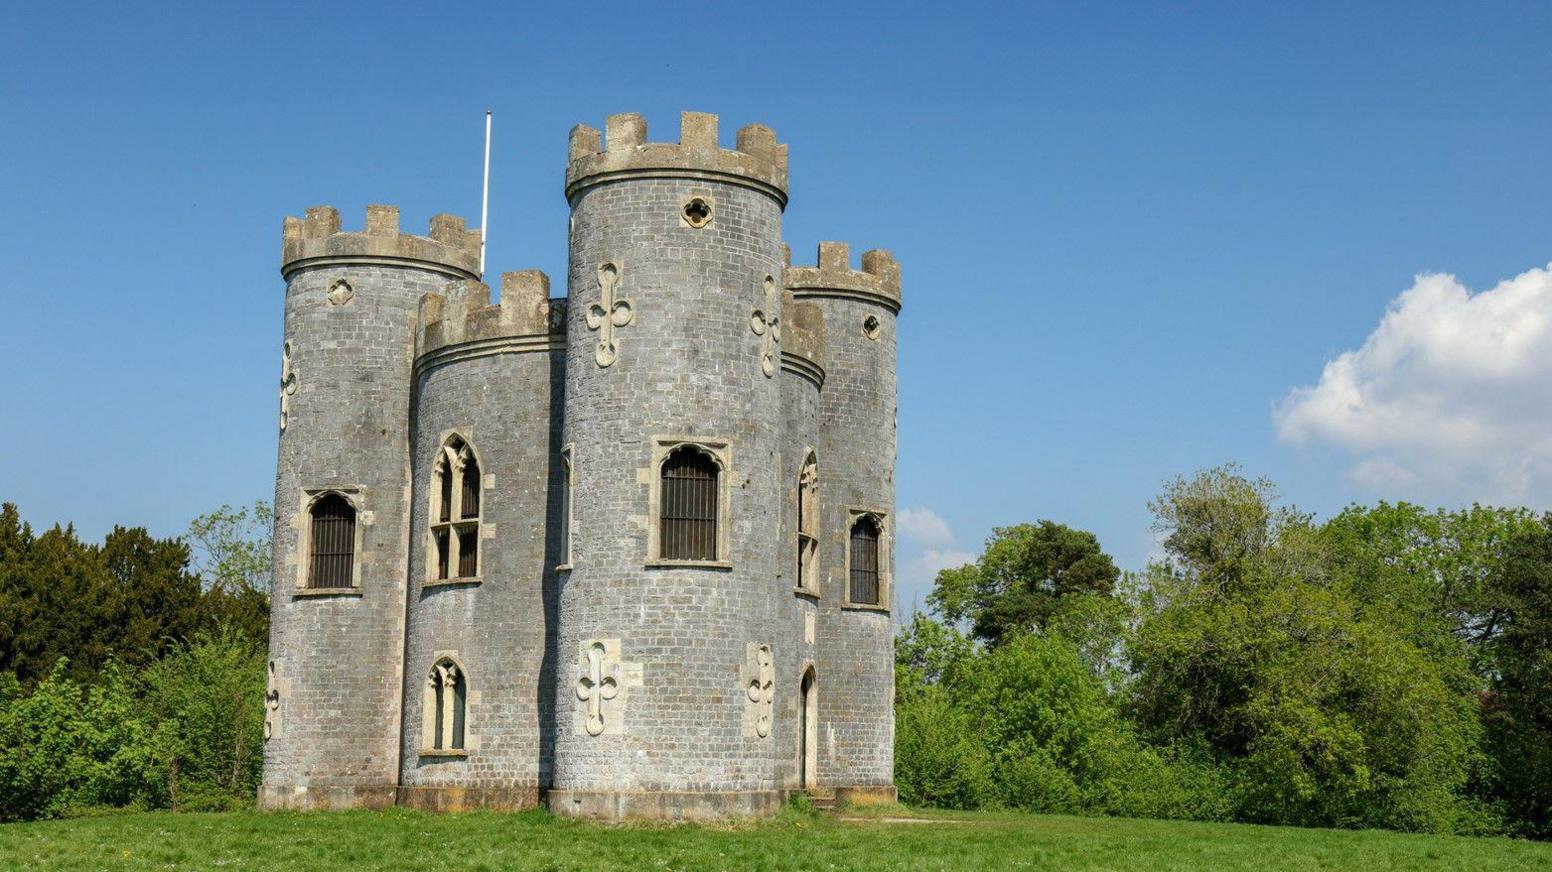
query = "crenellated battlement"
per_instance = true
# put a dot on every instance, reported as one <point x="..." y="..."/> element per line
<point x="757" y="160"/>
<point x="878" y="280"/>
<point x="462" y="317"/>
<point x="316" y="239"/>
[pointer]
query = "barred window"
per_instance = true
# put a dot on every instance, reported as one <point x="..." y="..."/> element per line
<point x="332" y="539"/>
<point x="455" y="512"/>
<point x="442" y="718"/>
<point x="808" y="525"/>
<point x="864" y="561"/>
<point x="689" y="505"/>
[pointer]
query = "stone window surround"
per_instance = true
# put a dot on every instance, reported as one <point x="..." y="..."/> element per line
<point x="568" y="454"/>
<point x="709" y="202"/>
<point x="721" y="453"/>
<point x="356" y="496"/>
<point x="471" y="699"/>
<point x="484" y="531"/>
<point x="808" y="586"/>
<point x="886" y="581"/>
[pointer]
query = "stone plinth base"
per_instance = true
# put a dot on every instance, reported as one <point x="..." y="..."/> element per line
<point x="274" y="797"/>
<point x="884" y="795"/>
<point x="612" y="805"/>
<point x="424" y="798"/>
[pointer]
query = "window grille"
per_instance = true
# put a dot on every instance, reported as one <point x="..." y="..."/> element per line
<point x="333" y="542"/>
<point x="864" y="561"/>
<point x="689" y="506"/>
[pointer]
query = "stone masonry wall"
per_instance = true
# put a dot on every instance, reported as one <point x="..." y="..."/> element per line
<point x="506" y="407"/>
<point x="799" y="612"/>
<point x="857" y="419"/>
<point x="688" y="366"/>
<point x="338" y="656"/>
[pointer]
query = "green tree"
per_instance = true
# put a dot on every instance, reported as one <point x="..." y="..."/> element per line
<point x="231" y="554"/>
<point x="1325" y="709"/>
<point x="1519" y="707"/>
<point x="65" y="747"/>
<point x="1022" y="579"/>
<point x="231" y="547"/>
<point x="205" y="699"/>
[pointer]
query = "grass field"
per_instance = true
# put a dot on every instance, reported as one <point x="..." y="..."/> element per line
<point x="404" y="840"/>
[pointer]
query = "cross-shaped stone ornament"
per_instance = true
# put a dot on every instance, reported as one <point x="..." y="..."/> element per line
<point x="594" y="687"/>
<point x="287" y="383"/>
<point x="762" y="678"/>
<point x="608" y="314"/>
<point x="765" y="322"/>
<point x="274" y="691"/>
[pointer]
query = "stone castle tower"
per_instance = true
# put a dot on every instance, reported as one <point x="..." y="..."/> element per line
<point x="627" y="552"/>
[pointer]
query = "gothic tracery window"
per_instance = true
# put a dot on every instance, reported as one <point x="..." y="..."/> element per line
<point x="455" y="512"/>
<point x="442" y="716"/>
<point x="808" y="525"/>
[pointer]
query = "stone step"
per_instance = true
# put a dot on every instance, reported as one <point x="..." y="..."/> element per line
<point x="821" y="799"/>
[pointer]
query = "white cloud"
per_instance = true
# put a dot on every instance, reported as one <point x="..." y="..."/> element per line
<point x="1449" y="397"/>
<point x="918" y="573"/>
<point x="924" y="527"/>
<point x="932" y="546"/>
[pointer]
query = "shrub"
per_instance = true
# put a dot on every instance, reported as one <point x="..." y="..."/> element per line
<point x="206" y="699"/>
<point x="65" y="748"/>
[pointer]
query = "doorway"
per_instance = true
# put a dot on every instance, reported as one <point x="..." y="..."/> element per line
<point x="808" y="739"/>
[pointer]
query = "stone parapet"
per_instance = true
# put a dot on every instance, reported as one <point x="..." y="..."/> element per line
<point x="757" y="161"/>
<point x="462" y="318"/>
<point x="878" y="280"/>
<point x="317" y="240"/>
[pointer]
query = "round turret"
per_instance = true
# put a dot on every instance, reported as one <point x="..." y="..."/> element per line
<point x="337" y="612"/>
<point x="668" y="640"/>
<point x="857" y="425"/>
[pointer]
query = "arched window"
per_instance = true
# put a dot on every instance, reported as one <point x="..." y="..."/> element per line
<point x="688" y="505"/>
<point x="808" y="525"/>
<point x="565" y="505"/>
<point x="863" y="560"/>
<point x="332" y="542"/>
<point x="455" y="512"/>
<point x="442" y="713"/>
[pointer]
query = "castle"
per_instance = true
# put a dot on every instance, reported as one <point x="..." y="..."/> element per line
<point x="627" y="552"/>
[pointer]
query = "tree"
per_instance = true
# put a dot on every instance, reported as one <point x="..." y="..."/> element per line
<point x="1020" y="581"/>
<point x="1519" y="707"/>
<point x="129" y="599"/>
<point x="1327" y="711"/>
<point x="206" y="699"/>
<point x="231" y="547"/>
<point x="1440" y="567"/>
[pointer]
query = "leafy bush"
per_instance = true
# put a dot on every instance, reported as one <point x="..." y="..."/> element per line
<point x="65" y="747"/>
<point x="1027" y="725"/>
<point x="206" y="699"/>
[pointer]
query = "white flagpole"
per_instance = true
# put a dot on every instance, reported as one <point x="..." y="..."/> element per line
<point x="485" y="199"/>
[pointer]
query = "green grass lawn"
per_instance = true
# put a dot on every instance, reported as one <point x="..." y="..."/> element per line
<point x="983" y="842"/>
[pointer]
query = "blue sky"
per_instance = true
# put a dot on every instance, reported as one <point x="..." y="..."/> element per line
<point x="1130" y="235"/>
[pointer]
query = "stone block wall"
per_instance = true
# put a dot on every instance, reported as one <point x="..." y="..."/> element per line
<point x="503" y="400"/>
